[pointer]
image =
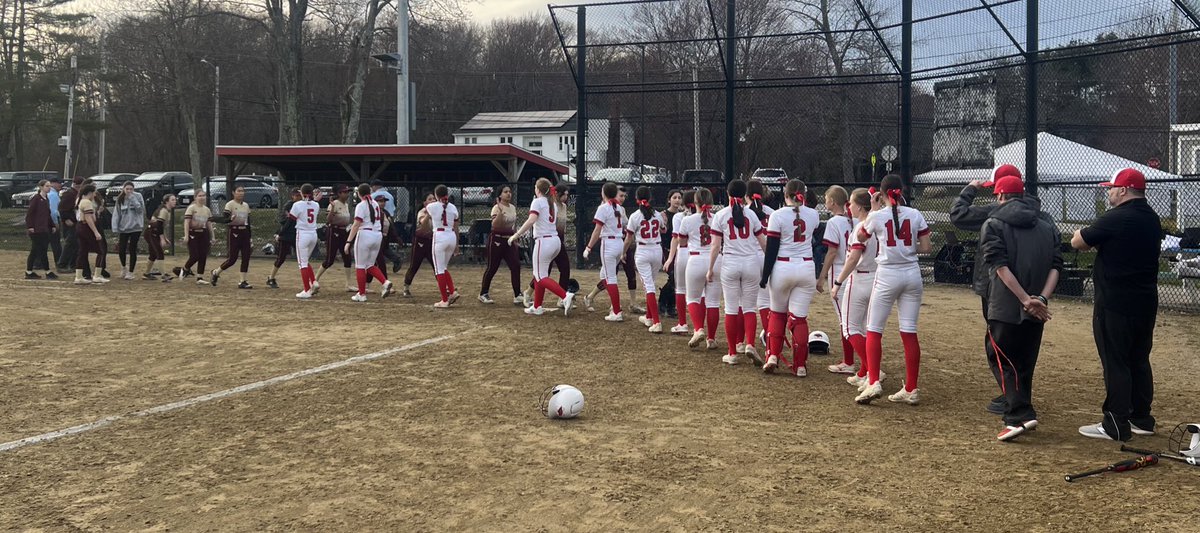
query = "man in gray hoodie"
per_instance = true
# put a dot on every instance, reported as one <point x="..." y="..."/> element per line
<point x="967" y="216"/>
<point x="1020" y="249"/>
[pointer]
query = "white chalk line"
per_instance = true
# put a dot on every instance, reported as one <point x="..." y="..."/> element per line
<point x="109" y="420"/>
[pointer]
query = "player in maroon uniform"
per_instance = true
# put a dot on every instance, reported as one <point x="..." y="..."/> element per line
<point x="337" y="228"/>
<point x="156" y="238"/>
<point x="238" y="213"/>
<point x="422" y="248"/>
<point x="504" y="223"/>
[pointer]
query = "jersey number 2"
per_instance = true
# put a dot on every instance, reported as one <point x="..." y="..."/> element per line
<point x="905" y="233"/>
<point x="650" y="229"/>
<point x="799" y="235"/>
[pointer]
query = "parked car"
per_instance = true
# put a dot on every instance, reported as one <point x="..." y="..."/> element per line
<point x="258" y="193"/>
<point x="153" y="186"/>
<point x="771" y="176"/>
<point x="619" y="175"/>
<point x="20" y="181"/>
<point x="702" y="175"/>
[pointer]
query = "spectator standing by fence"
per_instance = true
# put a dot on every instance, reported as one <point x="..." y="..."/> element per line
<point x="128" y="221"/>
<point x="969" y="217"/>
<point x="40" y="225"/>
<point x="1127" y="239"/>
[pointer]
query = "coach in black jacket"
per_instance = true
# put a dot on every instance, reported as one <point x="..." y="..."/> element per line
<point x="967" y="216"/>
<point x="1020" y="249"/>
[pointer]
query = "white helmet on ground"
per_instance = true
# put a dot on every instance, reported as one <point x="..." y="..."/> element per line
<point x="818" y="343"/>
<point x="562" y="401"/>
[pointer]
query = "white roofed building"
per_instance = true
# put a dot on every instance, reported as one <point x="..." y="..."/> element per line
<point x="551" y="134"/>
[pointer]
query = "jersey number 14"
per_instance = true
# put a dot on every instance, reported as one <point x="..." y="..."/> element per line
<point x="905" y="233"/>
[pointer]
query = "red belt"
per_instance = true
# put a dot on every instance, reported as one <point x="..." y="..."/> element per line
<point x="367" y="229"/>
<point x="695" y="253"/>
<point x="546" y="236"/>
<point x="862" y="271"/>
<point x="610" y="237"/>
<point x="786" y="259"/>
<point x="441" y="229"/>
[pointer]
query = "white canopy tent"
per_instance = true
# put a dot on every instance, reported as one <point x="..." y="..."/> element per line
<point x="1067" y="172"/>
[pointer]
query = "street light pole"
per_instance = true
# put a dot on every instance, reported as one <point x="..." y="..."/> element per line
<point x="216" y="115"/>
<point x="70" y="117"/>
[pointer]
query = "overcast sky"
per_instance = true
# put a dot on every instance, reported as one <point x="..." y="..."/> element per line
<point x="488" y="10"/>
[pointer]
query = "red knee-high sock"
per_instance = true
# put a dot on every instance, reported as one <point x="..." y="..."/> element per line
<point x="764" y="317"/>
<point x="377" y="274"/>
<point x="713" y="316"/>
<point x="697" y="312"/>
<point x="912" y="360"/>
<point x="733" y="332"/>
<point x="550" y="285"/>
<point x="441" y="283"/>
<point x="681" y="308"/>
<point x="750" y="328"/>
<point x="847" y="351"/>
<point x="874" y="356"/>
<point x="361" y="274"/>
<point x="449" y="283"/>
<point x="799" y="342"/>
<point x="614" y="295"/>
<point x="652" y="307"/>
<point x="859" y="343"/>
<point x="539" y="294"/>
<point x="304" y="278"/>
<point x="776" y="332"/>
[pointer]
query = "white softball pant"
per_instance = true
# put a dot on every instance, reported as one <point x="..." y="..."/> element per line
<point x="611" y="253"/>
<point x="366" y="248"/>
<point x="739" y="281"/>
<point x="545" y="249"/>
<point x="443" y="247"/>
<point x="792" y="285"/>
<point x="305" y="243"/>
<point x="680" y="266"/>
<point x="697" y="286"/>
<point x="901" y="287"/>
<point x="648" y="260"/>
<point x="855" y="299"/>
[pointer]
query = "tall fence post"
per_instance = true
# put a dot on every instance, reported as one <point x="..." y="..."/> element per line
<point x="730" y="75"/>
<point x="906" y="47"/>
<point x="581" y="119"/>
<point x="1031" y="97"/>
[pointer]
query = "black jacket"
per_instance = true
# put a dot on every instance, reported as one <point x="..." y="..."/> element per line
<point x="287" y="226"/>
<point x="968" y="217"/>
<point x="1024" y="239"/>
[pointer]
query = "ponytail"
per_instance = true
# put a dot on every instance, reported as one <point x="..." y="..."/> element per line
<point x="704" y="204"/>
<point x="756" y="191"/>
<point x="643" y="201"/>
<point x="795" y="190"/>
<point x="442" y="193"/>
<point x="364" y="194"/>
<point x="891" y="187"/>
<point x="737" y="194"/>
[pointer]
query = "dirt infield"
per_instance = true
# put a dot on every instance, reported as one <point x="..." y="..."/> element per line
<point x="446" y="436"/>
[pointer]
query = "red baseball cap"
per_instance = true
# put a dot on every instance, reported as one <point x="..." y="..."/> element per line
<point x="1000" y="172"/>
<point x="1007" y="185"/>
<point x="1129" y="177"/>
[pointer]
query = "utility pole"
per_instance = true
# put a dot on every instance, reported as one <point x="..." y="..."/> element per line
<point x="216" y="115"/>
<point x="696" y="115"/>
<point x="403" y="117"/>
<point x="70" y="117"/>
<point x="730" y="76"/>
<point x="1173" y="71"/>
<point x="103" y="106"/>
<point x="641" y="145"/>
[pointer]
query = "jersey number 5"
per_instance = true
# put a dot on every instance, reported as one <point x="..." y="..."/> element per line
<point x="312" y="217"/>
<point x="905" y="233"/>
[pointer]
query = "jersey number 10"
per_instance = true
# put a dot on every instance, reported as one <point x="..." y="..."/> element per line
<point x="905" y="233"/>
<point x="739" y="233"/>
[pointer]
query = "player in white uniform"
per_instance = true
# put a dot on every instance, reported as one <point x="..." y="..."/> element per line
<point x="645" y="228"/>
<point x="757" y="197"/>
<point x="444" y="216"/>
<point x="365" y="239"/>
<point x="902" y="233"/>
<point x="543" y="219"/>
<point x="304" y="214"/>
<point x="790" y="275"/>
<point x="837" y="239"/>
<point x="679" y="247"/>
<point x="703" y="296"/>
<point x="737" y="236"/>
<point x="609" y="228"/>
<point x="852" y="286"/>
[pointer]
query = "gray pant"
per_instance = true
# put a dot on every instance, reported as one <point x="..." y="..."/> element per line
<point x="66" y="260"/>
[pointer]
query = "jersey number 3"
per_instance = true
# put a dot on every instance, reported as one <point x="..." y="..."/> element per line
<point x="905" y="233"/>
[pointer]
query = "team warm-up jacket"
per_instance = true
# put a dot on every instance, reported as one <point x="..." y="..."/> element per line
<point x="1021" y="237"/>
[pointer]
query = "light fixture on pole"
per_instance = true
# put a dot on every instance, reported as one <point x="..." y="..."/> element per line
<point x="216" y="115"/>
<point x="66" y="139"/>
